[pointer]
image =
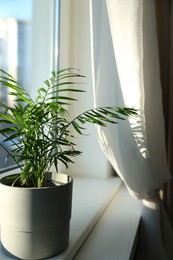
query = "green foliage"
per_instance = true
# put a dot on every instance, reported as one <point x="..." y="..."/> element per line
<point x="39" y="129"/>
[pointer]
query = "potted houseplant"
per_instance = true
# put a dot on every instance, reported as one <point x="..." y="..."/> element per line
<point x="36" y="209"/>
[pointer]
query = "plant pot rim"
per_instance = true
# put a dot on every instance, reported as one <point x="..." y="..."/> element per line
<point x="57" y="182"/>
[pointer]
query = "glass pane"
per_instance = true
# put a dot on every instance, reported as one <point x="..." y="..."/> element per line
<point x="15" y="49"/>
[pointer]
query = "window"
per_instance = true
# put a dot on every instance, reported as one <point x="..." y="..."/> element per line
<point x="15" y="48"/>
<point x="24" y="26"/>
<point x="91" y="196"/>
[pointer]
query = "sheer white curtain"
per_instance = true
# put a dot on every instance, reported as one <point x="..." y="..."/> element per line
<point x="126" y="72"/>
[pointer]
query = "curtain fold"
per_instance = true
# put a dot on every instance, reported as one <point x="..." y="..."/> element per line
<point x="126" y="72"/>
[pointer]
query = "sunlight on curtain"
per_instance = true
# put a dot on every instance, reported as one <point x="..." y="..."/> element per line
<point x="126" y="72"/>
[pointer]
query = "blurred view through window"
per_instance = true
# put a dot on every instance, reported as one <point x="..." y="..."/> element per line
<point x="15" y="49"/>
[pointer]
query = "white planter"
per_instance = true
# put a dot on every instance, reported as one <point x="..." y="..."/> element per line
<point x="35" y="222"/>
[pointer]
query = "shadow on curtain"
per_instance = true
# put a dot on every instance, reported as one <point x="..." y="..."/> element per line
<point x="164" y="12"/>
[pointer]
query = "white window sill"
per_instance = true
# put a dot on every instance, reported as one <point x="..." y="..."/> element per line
<point x="114" y="235"/>
<point x="104" y="222"/>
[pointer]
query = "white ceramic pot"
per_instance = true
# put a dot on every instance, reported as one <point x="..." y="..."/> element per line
<point x="35" y="222"/>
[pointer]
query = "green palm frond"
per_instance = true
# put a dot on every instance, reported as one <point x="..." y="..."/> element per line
<point x="38" y="130"/>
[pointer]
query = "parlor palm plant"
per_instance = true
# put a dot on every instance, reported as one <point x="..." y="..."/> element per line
<point x="39" y="129"/>
<point x="36" y="211"/>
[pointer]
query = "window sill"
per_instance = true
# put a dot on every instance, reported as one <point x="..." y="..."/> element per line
<point x="106" y="206"/>
<point x="114" y="235"/>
